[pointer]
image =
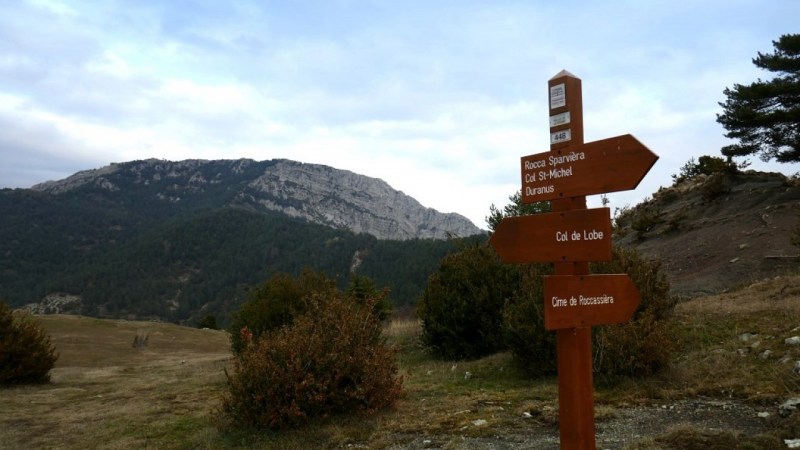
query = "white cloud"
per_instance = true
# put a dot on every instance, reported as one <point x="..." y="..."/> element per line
<point x="53" y="6"/>
<point x="440" y="101"/>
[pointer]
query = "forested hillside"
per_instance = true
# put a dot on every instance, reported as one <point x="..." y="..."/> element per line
<point x="136" y="250"/>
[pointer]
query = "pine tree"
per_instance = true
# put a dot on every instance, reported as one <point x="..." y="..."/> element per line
<point x="765" y="115"/>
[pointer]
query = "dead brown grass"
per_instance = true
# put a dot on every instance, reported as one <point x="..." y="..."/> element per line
<point x="107" y="394"/>
<point x="105" y="391"/>
<point x="779" y="295"/>
<point x="402" y="329"/>
<point x="733" y="344"/>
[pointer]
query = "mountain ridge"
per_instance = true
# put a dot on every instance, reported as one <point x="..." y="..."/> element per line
<point x="174" y="240"/>
<point x="317" y="193"/>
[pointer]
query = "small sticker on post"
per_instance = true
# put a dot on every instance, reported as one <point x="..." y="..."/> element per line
<point x="559" y="119"/>
<point x="560" y="136"/>
<point x="558" y="96"/>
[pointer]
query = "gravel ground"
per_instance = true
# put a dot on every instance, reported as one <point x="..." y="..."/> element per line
<point x="623" y="427"/>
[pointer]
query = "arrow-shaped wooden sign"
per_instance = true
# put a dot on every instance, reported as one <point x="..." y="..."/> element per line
<point x="574" y="301"/>
<point x="579" y="235"/>
<point x="609" y="165"/>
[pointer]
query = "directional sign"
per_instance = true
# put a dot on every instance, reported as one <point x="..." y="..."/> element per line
<point x="570" y="237"/>
<point x="579" y="235"/>
<point x="573" y="301"/>
<point x="609" y="165"/>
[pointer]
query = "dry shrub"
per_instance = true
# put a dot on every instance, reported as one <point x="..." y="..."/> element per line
<point x="688" y="438"/>
<point x="716" y="185"/>
<point x="140" y="340"/>
<point x="276" y="303"/>
<point x="26" y="353"/>
<point x="331" y="359"/>
<point x="645" y="219"/>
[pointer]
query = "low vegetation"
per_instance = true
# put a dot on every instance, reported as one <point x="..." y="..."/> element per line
<point x="706" y="165"/>
<point x="711" y="175"/>
<point x="282" y="298"/>
<point x="462" y="305"/>
<point x="474" y="306"/>
<point x="168" y="394"/>
<point x="329" y="360"/>
<point x="26" y="353"/>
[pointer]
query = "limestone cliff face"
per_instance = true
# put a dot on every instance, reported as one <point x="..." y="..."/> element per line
<point x="344" y="199"/>
<point x="317" y="193"/>
<point x="91" y="176"/>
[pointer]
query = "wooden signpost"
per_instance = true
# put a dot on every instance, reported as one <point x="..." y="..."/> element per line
<point x="571" y="236"/>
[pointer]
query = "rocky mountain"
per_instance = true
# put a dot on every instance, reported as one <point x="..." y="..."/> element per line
<point x="316" y="193"/>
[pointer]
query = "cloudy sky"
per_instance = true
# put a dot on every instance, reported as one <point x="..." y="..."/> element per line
<point x="438" y="98"/>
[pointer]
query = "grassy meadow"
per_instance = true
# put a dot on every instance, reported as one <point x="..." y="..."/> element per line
<point x="105" y="393"/>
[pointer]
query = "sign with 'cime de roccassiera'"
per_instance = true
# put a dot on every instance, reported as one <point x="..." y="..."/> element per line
<point x="581" y="301"/>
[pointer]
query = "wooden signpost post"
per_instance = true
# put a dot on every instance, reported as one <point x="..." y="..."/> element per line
<point x="571" y="236"/>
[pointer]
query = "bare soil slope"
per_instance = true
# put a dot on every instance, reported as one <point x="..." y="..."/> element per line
<point x="719" y="232"/>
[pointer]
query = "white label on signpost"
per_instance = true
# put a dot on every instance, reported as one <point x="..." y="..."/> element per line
<point x="558" y="96"/>
<point x="559" y="119"/>
<point x="560" y="136"/>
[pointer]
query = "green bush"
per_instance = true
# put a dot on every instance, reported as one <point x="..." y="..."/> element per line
<point x="331" y="359"/>
<point x="643" y="345"/>
<point x="707" y="165"/>
<point x="461" y="308"/>
<point x="716" y="185"/>
<point x="26" y="353"/>
<point x="646" y="275"/>
<point x="533" y="346"/>
<point x="646" y="217"/>
<point x="209" y="321"/>
<point x="275" y="304"/>
<point x="361" y="288"/>
<point x="639" y="347"/>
